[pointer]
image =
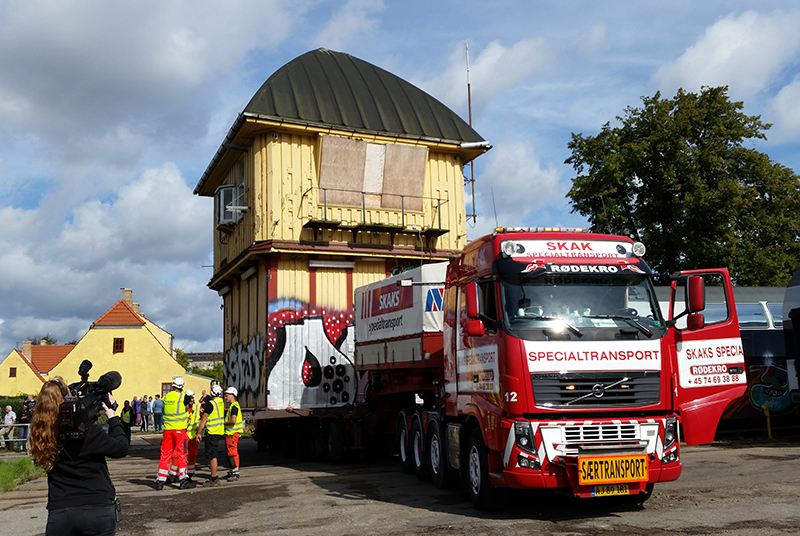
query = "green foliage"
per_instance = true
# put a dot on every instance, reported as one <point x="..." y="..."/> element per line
<point x="215" y="373"/>
<point x="182" y="358"/>
<point x="676" y="176"/>
<point x="47" y="339"/>
<point x="14" y="401"/>
<point x="18" y="471"/>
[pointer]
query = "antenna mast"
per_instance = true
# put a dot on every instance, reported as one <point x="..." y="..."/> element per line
<point x="471" y="179"/>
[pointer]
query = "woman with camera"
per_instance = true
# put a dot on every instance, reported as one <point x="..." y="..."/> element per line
<point x="80" y="496"/>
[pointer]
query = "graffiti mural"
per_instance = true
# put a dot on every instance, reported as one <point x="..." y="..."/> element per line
<point x="310" y="359"/>
<point x="768" y="384"/>
<point x="243" y="366"/>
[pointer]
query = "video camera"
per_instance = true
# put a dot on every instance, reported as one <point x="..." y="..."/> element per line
<point x="83" y="407"/>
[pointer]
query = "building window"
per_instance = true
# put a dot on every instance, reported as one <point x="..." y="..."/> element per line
<point x="12" y="372"/>
<point x="165" y="388"/>
<point x="229" y="198"/>
<point x="119" y="345"/>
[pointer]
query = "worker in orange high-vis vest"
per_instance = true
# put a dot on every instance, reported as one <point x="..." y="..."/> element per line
<point x="234" y="426"/>
<point x="173" y="442"/>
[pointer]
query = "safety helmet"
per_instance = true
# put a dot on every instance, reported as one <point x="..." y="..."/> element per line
<point x="177" y="383"/>
<point x="214" y="382"/>
<point x="216" y="390"/>
<point x="190" y="393"/>
<point x="232" y="391"/>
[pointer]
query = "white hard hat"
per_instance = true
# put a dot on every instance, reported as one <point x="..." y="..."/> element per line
<point x="216" y="390"/>
<point x="232" y="391"/>
<point x="177" y="383"/>
<point x="189" y="393"/>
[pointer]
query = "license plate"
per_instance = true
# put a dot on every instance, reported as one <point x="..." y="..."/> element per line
<point x="613" y="469"/>
<point x="610" y="489"/>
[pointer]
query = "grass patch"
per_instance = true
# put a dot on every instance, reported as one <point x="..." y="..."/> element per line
<point x="17" y="472"/>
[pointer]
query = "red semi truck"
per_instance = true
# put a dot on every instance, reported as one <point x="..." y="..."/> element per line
<point x="539" y="358"/>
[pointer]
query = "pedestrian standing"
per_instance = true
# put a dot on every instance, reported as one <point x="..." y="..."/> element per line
<point x="158" y="413"/>
<point x="25" y="417"/>
<point x="126" y="417"/>
<point x="8" y="428"/>
<point x="137" y="410"/>
<point x="212" y="422"/>
<point x="173" y="443"/>
<point x="145" y="414"/>
<point x="234" y="426"/>
<point x="150" y="416"/>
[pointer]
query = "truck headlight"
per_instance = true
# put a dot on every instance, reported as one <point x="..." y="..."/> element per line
<point x="522" y="433"/>
<point x="670" y="432"/>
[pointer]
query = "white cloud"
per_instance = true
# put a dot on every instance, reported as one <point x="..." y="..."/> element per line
<point x="593" y="40"/>
<point x="153" y="237"/>
<point x="493" y="70"/>
<point x="745" y="52"/>
<point x="784" y="113"/>
<point x="515" y="186"/>
<point x="354" y="23"/>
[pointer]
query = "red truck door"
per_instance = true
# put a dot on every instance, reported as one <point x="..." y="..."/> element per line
<point x="707" y="359"/>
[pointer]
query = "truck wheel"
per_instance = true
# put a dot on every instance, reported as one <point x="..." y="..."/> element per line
<point x="418" y="450"/>
<point x="302" y="441"/>
<point x="442" y="476"/>
<point x="336" y="442"/>
<point x="484" y="495"/>
<point x="403" y="450"/>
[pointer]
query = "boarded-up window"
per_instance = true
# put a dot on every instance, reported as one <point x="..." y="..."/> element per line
<point x="385" y="176"/>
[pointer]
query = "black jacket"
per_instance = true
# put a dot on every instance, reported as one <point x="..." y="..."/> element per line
<point x="80" y="476"/>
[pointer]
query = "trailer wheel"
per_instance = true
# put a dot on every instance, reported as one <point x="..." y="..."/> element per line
<point x="484" y="494"/>
<point x="418" y="450"/>
<point x="403" y="450"/>
<point x="442" y="476"/>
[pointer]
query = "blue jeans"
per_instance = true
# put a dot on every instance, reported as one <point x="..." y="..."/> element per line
<point x="159" y="418"/>
<point x="83" y="520"/>
<point x="23" y="436"/>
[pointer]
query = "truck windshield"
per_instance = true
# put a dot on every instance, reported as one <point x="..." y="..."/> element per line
<point x="582" y="303"/>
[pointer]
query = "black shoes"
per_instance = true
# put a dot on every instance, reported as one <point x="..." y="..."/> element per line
<point x="159" y="485"/>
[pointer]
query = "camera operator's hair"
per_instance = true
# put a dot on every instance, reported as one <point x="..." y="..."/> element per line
<point x="46" y="424"/>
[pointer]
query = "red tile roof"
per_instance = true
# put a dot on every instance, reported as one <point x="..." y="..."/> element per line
<point x="120" y="314"/>
<point x="46" y="357"/>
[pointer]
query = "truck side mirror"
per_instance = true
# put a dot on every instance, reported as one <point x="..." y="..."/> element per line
<point x="472" y="301"/>
<point x="695" y="322"/>
<point x="697" y="294"/>
<point x="475" y="328"/>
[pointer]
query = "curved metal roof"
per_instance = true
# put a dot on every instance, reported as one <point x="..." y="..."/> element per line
<point x="334" y="89"/>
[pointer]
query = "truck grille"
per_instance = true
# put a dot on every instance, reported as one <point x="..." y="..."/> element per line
<point x="600" y="432"/>
<point x="595" y="389"/>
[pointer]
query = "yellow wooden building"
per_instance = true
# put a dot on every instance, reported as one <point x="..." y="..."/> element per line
<point x="18" y="376"/>
<point x="122" y="339"/>
<point x="336" y="174"/>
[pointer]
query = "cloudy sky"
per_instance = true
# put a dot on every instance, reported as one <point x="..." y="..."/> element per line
<point x="111" y="111"/>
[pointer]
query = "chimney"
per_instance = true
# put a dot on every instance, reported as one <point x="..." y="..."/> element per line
<point x="127" y="295"/>
<point x="42" y="342"/>
<point x="136" y="307"/>
<point x="26" y="350"/>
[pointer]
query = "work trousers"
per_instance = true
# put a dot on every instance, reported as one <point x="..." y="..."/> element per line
<point x="191" y="456"/>
<point x="232" y="447"/>
<point x="173" y="444"/>
<point x="93" y="520"/>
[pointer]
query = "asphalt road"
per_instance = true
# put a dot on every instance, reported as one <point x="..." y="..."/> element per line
<point x="735" y="488"/>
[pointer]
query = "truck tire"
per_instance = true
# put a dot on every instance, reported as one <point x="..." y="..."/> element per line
<point x="403" y="451"/>
<point x="302" y="441"/>
<point x="336" y="442"/>
<point x="442" y="476"/>
<point x="484" y="495"/>
<point x="418" y="449"/>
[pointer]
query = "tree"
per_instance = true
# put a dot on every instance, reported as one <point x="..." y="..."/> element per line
<point x="182" y="358"/>
<point x="47" y="339"/>
<point x="676" y="176"/>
